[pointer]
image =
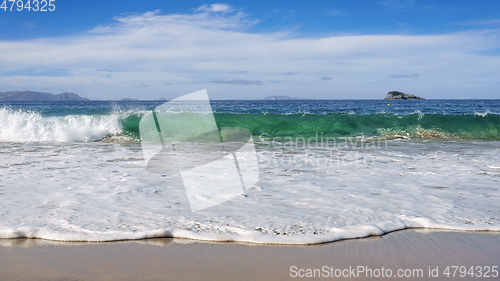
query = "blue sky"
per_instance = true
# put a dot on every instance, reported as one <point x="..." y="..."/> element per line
<point x="252" y="49"/>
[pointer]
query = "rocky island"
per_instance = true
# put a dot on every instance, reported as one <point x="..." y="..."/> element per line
<point x="38" y="96"/>
<point x="395" y="95"/>
<point x="282" y="98"/>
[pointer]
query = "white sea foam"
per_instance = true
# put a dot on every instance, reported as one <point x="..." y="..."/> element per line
<point x="21" y="126"/>
<point x="485" y="113"/>
<point x="102" y="192"/>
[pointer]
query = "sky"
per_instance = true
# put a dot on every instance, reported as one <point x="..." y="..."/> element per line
<point x="253" y="49"/>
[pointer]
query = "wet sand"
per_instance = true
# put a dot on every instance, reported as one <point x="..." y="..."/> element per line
<point x="417" y="250"/>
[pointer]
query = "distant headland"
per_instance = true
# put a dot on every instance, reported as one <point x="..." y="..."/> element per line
<point x="395" y="95"/>
<point x="39" y="96"/>
<point x="282" y="98"/>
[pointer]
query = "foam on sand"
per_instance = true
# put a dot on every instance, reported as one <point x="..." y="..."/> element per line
<point x="103" y="192"/>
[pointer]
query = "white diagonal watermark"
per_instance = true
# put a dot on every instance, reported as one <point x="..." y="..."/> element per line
<point x="181" y="137"/>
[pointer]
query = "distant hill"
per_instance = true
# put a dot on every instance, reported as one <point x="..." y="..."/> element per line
<point x="38" y="96"/>
<point x="281" y="98"/>
<point x="395" y="95"/>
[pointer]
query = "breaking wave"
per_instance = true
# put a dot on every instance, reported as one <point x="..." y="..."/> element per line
<point x="31" y="126"/>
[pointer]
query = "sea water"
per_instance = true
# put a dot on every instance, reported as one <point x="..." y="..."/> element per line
<point x="329" y="170"/>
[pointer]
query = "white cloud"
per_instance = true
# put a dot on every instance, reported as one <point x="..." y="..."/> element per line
<point x="214" y="8"/>
<point x="179" y="53"/>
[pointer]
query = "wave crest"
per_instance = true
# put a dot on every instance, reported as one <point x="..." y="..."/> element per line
<point x="28" y="126"/>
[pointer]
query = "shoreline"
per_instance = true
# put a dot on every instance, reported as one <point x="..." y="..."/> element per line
<point x="183" y="259"/>
<point x="233" y="239"/>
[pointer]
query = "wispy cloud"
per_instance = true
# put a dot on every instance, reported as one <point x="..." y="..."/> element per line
<point x="215" y="8"/>
<point x="28" y="25"/>
<point x="152" y="21"/>
<point x="396" y="3"/>
<point x="491" y="22"/>
<point x="414" y="75"/>
<point x="326" y="78"/>
<point x="236" y="82"/>
<point x="40" y="72"/>
<point x="335" y="13"/>
<point x="188" y="50"/>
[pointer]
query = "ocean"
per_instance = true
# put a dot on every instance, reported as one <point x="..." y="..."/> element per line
<point x="328" y="170"/>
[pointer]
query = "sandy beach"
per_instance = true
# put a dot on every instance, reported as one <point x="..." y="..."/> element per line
<point x="249" y="140"/>
<point x="417" y="251"/>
